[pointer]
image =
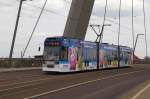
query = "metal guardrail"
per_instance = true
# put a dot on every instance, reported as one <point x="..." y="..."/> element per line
<point x="33" y="62"/>
<point x="142" y="61"/>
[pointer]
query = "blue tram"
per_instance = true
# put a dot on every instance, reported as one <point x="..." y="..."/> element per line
<point x="71" y="55"/>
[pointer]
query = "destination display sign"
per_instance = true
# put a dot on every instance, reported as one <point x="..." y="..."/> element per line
<point x="53" y="43"/>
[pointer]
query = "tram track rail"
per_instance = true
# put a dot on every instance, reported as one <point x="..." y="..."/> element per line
<point x="45" y="83"/>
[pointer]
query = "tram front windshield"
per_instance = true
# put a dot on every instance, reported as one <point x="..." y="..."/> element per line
<point x="51" y="53"/>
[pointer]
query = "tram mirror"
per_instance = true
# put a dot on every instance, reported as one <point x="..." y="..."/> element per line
<point x="39" y="49"/>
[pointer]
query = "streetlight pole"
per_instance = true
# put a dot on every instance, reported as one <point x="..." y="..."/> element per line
<point x="120" y="4"/>
<point x="15" y="31"/>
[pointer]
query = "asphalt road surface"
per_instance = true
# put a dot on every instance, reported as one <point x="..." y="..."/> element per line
<point x="103" y="84"/>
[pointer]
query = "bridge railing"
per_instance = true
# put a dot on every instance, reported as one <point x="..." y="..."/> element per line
<point x="142" y="61"/>
<point x="20" y="62"/>
<point x="34" y="62"/>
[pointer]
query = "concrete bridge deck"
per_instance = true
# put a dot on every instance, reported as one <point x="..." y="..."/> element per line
<point x="103" y="84"/>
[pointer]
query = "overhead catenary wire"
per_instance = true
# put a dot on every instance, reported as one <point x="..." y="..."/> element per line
<point x="99" y="36"/>
<point x="112" y="20"/>
<point x="46" y="10"/>
<point x="145" y="29"/>
<point x="119" y="24"/>
<point x="34" y="28"/>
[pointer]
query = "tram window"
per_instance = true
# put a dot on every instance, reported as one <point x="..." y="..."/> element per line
<point x="51" y="53"/>
<point x="87" y="54"/>
<point x="84" y="54"/>
<point x="107" y="53"/>
<point x="94" y="54"/>
<point x="64" y="53"/>
<point x="121" y="55"/>
<point x="115" y="55"/>
<point x="80" y="53"/>
<point x="90" y="54"/>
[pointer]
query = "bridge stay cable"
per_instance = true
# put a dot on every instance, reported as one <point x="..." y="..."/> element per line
<point x="43" y="8"/>
<point x="34" y="29"/>
<point x="133" y="31"/>
<point x="145" y="28"/>
<point x="103" y="24"/>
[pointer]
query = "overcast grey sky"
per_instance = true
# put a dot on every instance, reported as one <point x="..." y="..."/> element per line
<point x="53" y="21"/>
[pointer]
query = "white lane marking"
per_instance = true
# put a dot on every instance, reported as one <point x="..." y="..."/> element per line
<point x="16" y="82"/>
<point x="25" y="83"/>
<point x="140" y="92"/>
<point x="79" y="84"/>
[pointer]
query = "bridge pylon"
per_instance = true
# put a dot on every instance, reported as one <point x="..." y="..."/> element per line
<point x="78" y="19"/>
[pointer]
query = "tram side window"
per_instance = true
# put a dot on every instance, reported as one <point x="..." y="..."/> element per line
<point x="64" y="53"/>
<point x="87" y="54"/>
<point x="94" y="54"/>
<point x="115" y="56"/>
<point x="125" y="55"/>
<point x="91" y="54"/>
<point x="84" y="54"/>
<point x="80" y="53"/>
<point x="122" y="55"/>
<point x="107" y="54"/>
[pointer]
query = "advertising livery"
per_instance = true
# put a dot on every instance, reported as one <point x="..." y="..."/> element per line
<point x="71" y="55"/>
